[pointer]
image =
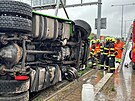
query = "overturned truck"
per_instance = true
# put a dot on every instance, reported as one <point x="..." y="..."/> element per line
<point x="38" y="50"/>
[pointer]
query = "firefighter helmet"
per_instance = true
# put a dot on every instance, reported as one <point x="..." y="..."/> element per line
<point x="107" y="38"/>
<point x="113" y="40"/>
<point x="110" y="39"/>
<point x="93" y="41"/>
<point x="97" y="40"/>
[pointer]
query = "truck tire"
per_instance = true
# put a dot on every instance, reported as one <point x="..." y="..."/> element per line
<point x="15" y="24"/>
<point x="15" y="8"/>
<point x="20" y="97"/>
<point x="71" y="74"/>
<point x="84" y="27"/>
<point x="13" y="86"/>
<point x="130" y="55"/>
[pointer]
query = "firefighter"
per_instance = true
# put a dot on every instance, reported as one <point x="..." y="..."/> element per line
<point x="101" y="55"/>
<point x="101" y="49"/>
<point x="119" y="47"/>
<point x="92" y="53"/>
<point x="104" y="58"/>
<point x="112" y="54"/>
<point x="97" y="49"/>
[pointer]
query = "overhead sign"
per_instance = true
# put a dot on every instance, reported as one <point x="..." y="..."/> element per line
<point x="103" y="23"/>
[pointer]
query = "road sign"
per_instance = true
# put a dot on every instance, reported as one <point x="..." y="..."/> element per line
<point x="103" y="23"/>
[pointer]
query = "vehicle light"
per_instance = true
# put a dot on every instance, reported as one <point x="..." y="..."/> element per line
<point x="21" y="78"/>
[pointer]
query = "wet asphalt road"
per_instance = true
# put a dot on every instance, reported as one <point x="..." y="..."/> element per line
<point x="124" y="84"/>
<point x="124" y="81"/>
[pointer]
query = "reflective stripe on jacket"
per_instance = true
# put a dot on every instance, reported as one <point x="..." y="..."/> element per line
<point x="106" y="48"/>
<point x="112" y="49"/>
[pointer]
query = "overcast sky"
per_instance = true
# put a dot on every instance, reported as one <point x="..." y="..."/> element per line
<point x="113" y="15"/>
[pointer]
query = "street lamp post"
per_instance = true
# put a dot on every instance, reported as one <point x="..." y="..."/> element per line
<point x="99" y="18"/>
<point x="122" y="16"/>
<point x="122" y="7"/>
<point x="122" y="22"/>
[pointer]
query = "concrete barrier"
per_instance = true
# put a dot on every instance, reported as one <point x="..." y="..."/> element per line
<point x="102" y="82"/>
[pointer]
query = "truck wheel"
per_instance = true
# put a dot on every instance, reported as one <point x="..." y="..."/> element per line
<point x="18" y="24"/>
<point x="13" y="86"/>
<point x="15" y="8"/>
<point x="84" y="27"/>
<point x="71" y="74"/>
<point x="130" y="54"/>
<point x="20" y="97"/>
